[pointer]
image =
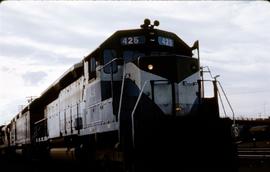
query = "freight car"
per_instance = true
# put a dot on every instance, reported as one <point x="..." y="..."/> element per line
<point x="136" y="100"/>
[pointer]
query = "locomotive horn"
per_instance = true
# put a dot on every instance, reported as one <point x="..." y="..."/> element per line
<point x="146" y="23"/>
<point x="156" y="23"/>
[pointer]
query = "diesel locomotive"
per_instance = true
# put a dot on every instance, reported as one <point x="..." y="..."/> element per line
<point x="137" y="100"/>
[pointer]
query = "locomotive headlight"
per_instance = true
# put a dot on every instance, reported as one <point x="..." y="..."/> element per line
<point x="178" y="108"/>
<point x="150" y="67"/>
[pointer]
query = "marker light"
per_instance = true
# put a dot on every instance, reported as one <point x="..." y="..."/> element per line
<point x="150" y="67"/>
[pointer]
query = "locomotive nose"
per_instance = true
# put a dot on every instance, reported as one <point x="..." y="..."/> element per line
<point x="173" y="68"/>
<point x="173" y="82"/>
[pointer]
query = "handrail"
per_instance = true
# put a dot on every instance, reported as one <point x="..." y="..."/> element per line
<point x="101" y="67"/>
<point x="43" y="119"/>
<point x="208" y="70"/>
<point x="227" y="102"/>
<point x="221" y="101"/>
<point x="121" y="97"/>
<point x="133" y="112"/>
<point x="219" y="95"/>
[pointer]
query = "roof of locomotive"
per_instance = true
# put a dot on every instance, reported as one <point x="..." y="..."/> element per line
<point x="114" y="41"/>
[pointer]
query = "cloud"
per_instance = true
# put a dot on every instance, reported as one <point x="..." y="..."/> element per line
<point x="33" y="78"/>
<point x="40" y="40"/>
<point x="24" y="46"/>
<point x="4" y="69"/>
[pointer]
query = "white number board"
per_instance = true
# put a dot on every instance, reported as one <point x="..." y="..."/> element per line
<point x="132" y="40"/>
<point x="165" y="41"/>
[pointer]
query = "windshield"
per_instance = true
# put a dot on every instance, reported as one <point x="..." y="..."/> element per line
<point x="132" y="55"/>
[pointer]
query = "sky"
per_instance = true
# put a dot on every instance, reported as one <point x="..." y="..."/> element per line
<point x="40" y="40"/>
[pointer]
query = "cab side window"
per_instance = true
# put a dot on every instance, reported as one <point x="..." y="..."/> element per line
<point x="92" y="67"/>
<point x="109" y="55"/>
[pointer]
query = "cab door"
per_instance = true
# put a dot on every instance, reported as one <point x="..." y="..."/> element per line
<point x="162" y="95"/>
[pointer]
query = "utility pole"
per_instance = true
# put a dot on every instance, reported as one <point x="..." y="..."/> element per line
<point x="264" y="109"/>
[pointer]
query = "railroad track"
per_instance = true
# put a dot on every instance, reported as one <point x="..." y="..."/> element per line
<point x="254" y="152"/>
